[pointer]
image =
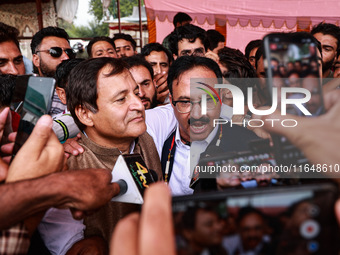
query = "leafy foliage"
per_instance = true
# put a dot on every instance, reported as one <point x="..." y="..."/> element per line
<point x="97" y="27"/>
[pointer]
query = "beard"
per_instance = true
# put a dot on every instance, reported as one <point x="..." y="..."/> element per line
<point x="45" y="70"/>
<point x="153" y="101"/>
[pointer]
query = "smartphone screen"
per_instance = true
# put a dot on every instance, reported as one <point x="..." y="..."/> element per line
<point x="37" y="102"/>
<point x="292" y="64"/>
<point x="290" y="220"/>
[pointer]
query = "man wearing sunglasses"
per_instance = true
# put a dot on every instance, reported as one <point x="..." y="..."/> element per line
<point x="50" y="46"/>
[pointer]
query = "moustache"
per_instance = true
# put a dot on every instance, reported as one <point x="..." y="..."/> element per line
<point x="203" y="119"/>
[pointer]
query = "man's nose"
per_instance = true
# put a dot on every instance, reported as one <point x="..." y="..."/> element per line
<point x="64" y="56"/>
<point x="122" y="52"/>
<point x="196" y="111"/>
<point x="11" y="69"/>
<point x="141" y="92"/>
<point x="157" y="69"/>
<point x="136" y="103"/>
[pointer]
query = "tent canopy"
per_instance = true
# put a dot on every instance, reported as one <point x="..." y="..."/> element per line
<point x="254" y="18"/>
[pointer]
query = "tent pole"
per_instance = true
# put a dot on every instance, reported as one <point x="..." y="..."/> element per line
<point x="39" y="14"/>
<point x="140" y="24"/>
<point x="118" y="14"/>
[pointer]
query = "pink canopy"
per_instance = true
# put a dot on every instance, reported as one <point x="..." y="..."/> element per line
<point x="241" y="20"/>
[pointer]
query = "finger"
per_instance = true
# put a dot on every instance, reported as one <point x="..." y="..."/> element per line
<point x="40" y="136"/>
<point x="290" y="132"/>
<point x="12" y="137"/>
<point x="3" y="170"/>
<point x="163" y="77"/>
<point x="71" y="146"/>
<point x="7" y="159"/>
<point x="337" y="210"/>
<point x="331" y="99"/>
<point x="124" y="240"/>
<point x="77" y="214"/>
<point x="156" y="221"/>
<point x="7" y="148"/>
<point x="3" y="119"/>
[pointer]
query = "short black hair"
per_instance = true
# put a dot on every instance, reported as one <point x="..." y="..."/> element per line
<point x="259" y="54"/>
<point x="237" y="64"/>
<point x="181" y="17"/>
<point x="64" y="69"/>
<point x="186" y="63"/>
<point x="150" y="47"/>
<point x="125" y="37"/>
<point x="9" y="33"/>
<point x="138" y="60"/>
<point x="190" y="32"/>
<point x="45" y="32"/>
<point x="244" y="211"/>
<point x="250" y="46"/>
<point x="7" y="84"/>
<point x="214" y="37"/>
<point x="188" y="221"/>
<point x="82" y="84"/>
<point x="99" y="39"/>
<point x="328" y="29"/>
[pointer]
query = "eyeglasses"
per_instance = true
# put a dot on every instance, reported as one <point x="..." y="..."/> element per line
<point x="56" y="52"/>
<point x="185" y="106"/>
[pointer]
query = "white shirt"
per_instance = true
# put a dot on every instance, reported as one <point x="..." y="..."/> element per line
<point x="60" y="230"/>
<point x="161" y="122"/>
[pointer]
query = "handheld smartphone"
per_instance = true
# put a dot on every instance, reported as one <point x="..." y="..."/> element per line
<point x="292" y="63"/>
<point x="290" y="220"/>
<point x="37" y="102"/>
<point x="18" y="85"/>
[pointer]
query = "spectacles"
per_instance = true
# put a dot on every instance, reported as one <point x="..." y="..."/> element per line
<point x="56" y="52"/>
<point x="185" y="106"/>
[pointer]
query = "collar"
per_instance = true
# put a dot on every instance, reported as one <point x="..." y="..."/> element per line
<point x="102" y="150"/>
<point x="206" y="141"/>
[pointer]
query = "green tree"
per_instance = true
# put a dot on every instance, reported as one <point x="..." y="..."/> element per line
<point x="126" y="6"/>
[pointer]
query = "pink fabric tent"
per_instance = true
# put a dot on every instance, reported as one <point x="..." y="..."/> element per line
<point x="242" y="20"/>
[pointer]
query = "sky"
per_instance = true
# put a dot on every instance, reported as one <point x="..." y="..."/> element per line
<point x="83" y="17"/>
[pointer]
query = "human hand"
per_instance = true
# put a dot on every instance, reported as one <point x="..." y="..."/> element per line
<point x="72" y="147"/>
<point x="86" y="190"/>
<point x="161" y="84"/>
<point x="136" y="234"/>
<point x="212" y="56"/>
<point x="40" y="155"/>
<point x="317" y="137"/>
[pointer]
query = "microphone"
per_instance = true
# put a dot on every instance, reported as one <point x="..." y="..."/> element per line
<point x="133" y="178"/>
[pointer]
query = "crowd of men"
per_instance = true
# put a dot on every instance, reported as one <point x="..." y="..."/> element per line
<point x="120" y="102"/>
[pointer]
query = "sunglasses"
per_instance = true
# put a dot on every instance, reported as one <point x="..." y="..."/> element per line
<point x="56" y="52"/>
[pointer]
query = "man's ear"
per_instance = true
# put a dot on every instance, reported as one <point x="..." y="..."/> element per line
<point x="61" y="94"/>
<point x="175" y="56"/>
<point x="36" y="60"/>
<point x="84" y="115"/>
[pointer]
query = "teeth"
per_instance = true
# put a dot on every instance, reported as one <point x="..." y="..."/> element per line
<point x="198" y="128"/>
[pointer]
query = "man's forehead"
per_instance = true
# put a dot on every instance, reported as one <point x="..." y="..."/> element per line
<point x="159" y="55"/>
<point x="189" y="43"/>
<point x="122" y="43"/>
<point x="326" y="38"/>
<point x="7" y="48"/>
<point x="54" y="41"/>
